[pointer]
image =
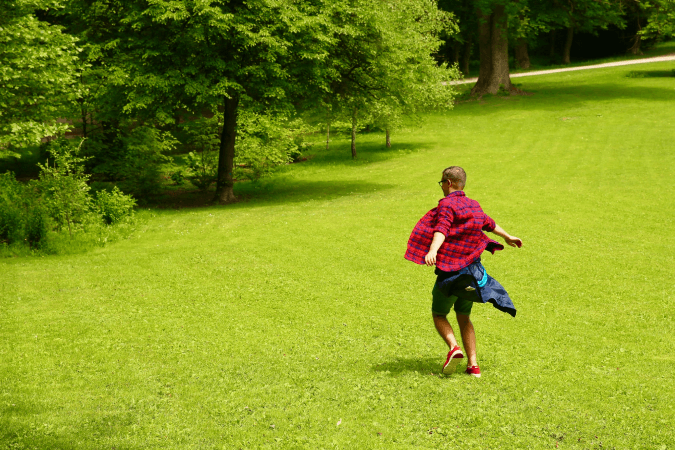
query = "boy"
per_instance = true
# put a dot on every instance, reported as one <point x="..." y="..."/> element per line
<point x="451" y="237"/>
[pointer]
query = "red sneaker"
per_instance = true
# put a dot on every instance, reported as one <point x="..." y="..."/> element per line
<point x="473" y="371"/>
<point x="454" y="357"/>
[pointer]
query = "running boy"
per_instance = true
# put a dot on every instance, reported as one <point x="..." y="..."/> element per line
<point x="451" y="237"/>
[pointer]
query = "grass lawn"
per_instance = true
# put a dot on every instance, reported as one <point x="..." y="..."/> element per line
<point x="291" y="319"/>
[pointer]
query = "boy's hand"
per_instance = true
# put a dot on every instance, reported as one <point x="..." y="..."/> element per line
<point x="513" y="241"/>
<point x="431" y="258"/>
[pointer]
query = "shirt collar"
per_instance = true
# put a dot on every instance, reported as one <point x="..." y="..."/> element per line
<point x="457" y="193"/>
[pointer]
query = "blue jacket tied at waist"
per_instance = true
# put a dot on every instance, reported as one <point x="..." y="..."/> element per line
<point x="475" y="276"/>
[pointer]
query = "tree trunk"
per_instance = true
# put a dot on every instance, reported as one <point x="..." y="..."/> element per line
<point x="566" y="47"/>
<point x="456" y="52"/>
<point x="494" y="64"/>
<point x="552" y="44"/>
<point x="354" y="133"/>
<point x="388" y="144"/>
<point x="467" y="52"/>
<point x="521" y="54"/>
<point x="635" y="48"/>
<point x="328" y="134"/>
<point x="226" y="152"/>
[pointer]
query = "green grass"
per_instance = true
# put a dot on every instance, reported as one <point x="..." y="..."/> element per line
<point x="266" y="323"/>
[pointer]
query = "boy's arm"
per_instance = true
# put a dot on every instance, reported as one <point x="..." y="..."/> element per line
<point x="509" y="239"/>
<point x="431" y="257"/>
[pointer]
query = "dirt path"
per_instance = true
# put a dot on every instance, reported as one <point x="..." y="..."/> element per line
<point x="568" y="69"/>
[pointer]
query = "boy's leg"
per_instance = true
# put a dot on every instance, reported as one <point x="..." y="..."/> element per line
<point x="468" y="337"/>
<point x="445" y="330"/>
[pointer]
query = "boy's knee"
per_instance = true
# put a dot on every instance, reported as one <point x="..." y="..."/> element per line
<point x="462" y="318"/>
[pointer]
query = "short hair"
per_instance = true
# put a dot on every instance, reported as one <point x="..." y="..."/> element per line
<point x="456" y="175"/>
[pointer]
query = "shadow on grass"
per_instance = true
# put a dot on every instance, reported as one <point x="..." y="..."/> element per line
<point x="283" y="188"/>
<point x="423" y="365"/>
<point x="651" y="73"/>
<point x="276" y="190"/>
<point x="18" y="430"/>
<point x="550" y="96"/>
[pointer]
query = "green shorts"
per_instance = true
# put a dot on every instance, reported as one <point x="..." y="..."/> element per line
<point x="461" y="302"/>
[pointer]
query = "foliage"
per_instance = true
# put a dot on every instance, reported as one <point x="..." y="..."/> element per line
<point x="114" y="206"/>
<point x="265" y="141"/>
<point x="38" y="65"/>
<point x="64" y="187"/>
<point x="203" y="166"/>
<point x="59" y="200"/>
<point x="178" y="177"/>
<point x="22" y="218"/>
<point x="136" y="163"/>
<point x="660" y="15"/>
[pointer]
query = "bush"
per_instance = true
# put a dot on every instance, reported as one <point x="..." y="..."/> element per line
<point x="265" y="142"/>
<point x="132" y="159"/>
<point x="11" y="222"/>
<point x="36" y="228"/>
<point x="65" y="194"/>
<point x="140" y="167"/>
<point x="203" y="168"/>
<point x="178" y="177"/>
<point x="202" y="161"/>
<point x="22" y="219"/>
<point x="114" y="206"/>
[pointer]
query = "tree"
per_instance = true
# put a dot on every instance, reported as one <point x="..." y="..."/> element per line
<point x="202" y="57"/>
<point x="384" y="62"/>
<point x="660" y="19"/>
<point x="584" y="16"/>
<point x="38" y="70"/>
<point x="493" y="48"/>
<point x="460" y="43"/>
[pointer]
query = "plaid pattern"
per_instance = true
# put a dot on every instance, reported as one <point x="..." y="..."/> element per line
<point x="461" y="220"/>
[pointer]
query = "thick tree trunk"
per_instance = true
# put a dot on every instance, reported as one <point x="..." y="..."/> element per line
<point x="567" y="46"/>
<point x="354" y="133"/>
<point x="493" y="49"/>
<point x="466" y="54"/>
<point x="521" y="54"/>
<point x="226" y="153"/>
<point x="388" y="144"/>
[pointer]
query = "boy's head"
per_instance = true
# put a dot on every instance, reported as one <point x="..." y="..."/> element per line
<point x="456" y="177"/>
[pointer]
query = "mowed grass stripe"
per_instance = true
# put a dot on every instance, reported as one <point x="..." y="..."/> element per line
<point x="296" y="309"/>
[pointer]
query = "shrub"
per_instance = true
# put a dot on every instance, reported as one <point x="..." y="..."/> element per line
<point x="114" y="206"/>
<point x="142" y="156"/>
<point x="63" y="187"/>
<point x="36" y="227"/>
<point x="202" y="160"/>
<point x="11" y="222"/>
<point x="22" y="219"/>
<point x="203" y="168"/>
<point x="178" y="177"/>
<point x="265" y="142"/>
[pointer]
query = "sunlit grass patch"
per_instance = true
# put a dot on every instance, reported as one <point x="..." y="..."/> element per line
<point x="291" y="320"/>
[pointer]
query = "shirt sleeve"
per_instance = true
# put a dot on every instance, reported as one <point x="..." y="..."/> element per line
<point x="489" y="224"/>
<point x="444" y="218"/>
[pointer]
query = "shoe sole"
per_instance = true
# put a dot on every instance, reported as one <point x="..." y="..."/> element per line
<point x="452" y="365"/>
<point x="474" y="375"/>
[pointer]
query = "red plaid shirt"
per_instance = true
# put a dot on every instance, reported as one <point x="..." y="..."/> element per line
<point x="461" y="220"/>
